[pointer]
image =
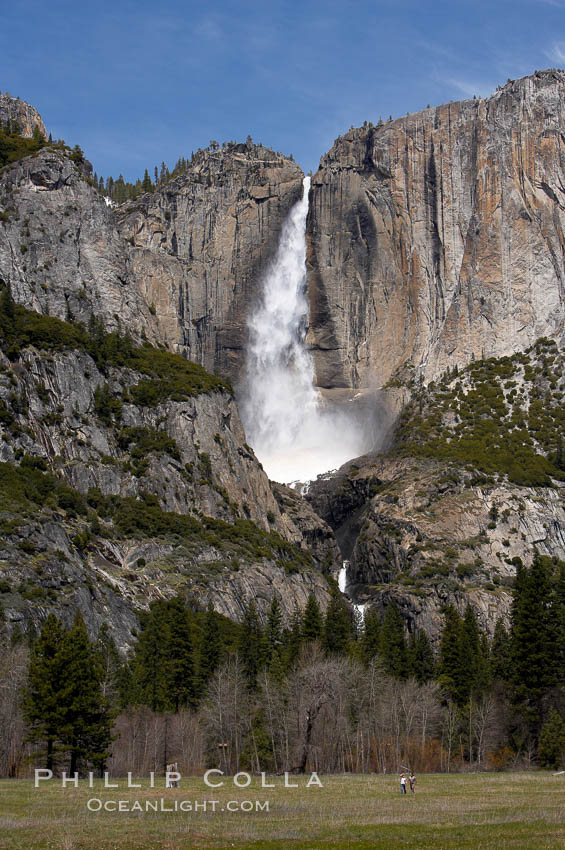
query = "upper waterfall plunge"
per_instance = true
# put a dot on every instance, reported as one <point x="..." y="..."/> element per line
<point x="295" y="434"/>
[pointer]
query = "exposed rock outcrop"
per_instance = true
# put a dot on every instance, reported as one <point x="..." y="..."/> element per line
<point x="180" y="266"/>
<point x="60" y="248"/>
<point x="201" y="243"/>
<point x="433" y="240"/>
<point x="42" y="571"/>
<point x="419" y="533"/>
<point x="191" y="454"/>
<point x="215" y="472"/>
<point x="438" y="237"/>
<point x="18" y="113"/>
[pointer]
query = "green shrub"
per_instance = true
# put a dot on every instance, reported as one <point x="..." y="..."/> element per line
<point x="14" y="147"/>
<point x="488" y="436"/>
<point x="166" y="375"/>
<point x="140" y="442"/>
<point x="23" y="489"/>
<point x="106" y="406"/>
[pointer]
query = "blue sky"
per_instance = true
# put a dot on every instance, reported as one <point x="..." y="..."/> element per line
<point x="135" y="83"/>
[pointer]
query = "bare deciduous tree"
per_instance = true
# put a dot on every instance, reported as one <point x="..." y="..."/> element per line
<point x="13" y="675"/>
<point x="227" y="715"/>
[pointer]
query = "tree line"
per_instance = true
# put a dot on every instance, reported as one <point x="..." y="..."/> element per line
<point x="120" y="190"/>
<point x="323" y="691"/>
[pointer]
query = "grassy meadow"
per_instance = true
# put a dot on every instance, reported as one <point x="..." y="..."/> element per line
<point x="514" y="810"/>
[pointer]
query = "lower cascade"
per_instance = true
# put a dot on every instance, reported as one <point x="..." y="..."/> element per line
<point x="294" y="433"/>
<point x="342" y="584"/>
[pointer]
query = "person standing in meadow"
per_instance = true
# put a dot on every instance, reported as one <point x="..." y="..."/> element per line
<point x="412" y="781"/>
<point x="402" y="784"/>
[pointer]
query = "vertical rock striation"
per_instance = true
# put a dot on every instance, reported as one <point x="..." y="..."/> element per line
<point x="201" y="243"/>
<point x="179" y="266"/>
<point x="438" y="237"/>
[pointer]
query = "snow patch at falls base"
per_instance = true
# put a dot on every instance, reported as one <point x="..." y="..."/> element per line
<point x="295" y="434"/>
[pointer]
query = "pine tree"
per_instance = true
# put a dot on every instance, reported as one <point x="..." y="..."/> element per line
<point x="500" y="653"/>
<point x="252" y="645"/>
<point x="119" y="190"/>
<point x="560" y="625"/>
<point x="337" y="626"/>
<point x="371" y="636"/>
<point x="449" y="667"/>
<point x="421" y="657"/>
<point x="150" y="665"/>
<point x="211" y="647"/>
<point x="85" y="727"/>
<point x="43" y="698"/>
<point x="273" y="631"/>
<point x="552" y="741"/>
<point x="293" y="639"/>
<point x="312" y="620"/>
<point x="393" y="643"/>
<point x="146" y="184"/>
<point x="180" y="655"/>
<point x="533" y="641"/>
<point x="473" y="668"/>
<point x="277" y="669"/>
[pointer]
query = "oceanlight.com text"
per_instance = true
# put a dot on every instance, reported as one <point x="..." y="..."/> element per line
<point x="95" y="804"/>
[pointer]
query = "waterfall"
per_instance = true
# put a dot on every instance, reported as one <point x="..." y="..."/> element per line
<point x="342" y="577"/>
<point x="293" y="433"/>
<point x="359" y="607"/>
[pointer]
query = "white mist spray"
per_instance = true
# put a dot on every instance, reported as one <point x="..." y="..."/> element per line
<point x="293" y="433"/>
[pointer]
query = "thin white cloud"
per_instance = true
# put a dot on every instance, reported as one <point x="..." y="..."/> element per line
<point x="209" y="28"/>
<point x="437" y="49"/>
<point x="556" y="52"/>
<point x="469" y="87"/>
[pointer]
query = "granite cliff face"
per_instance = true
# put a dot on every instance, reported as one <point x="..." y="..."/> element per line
<point x="433" y="240"/>
<point x="60" y="248"/>
<point x="16" y="111"/>
<point x="191" y="455"/>
<point x="438" y="237"/>
<point x="473" y="486"/>
<point x="420" y="534"/>
<point x="200" y="244"/>
<point x="180" y="266"/>
<point x="177" y="268"/>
